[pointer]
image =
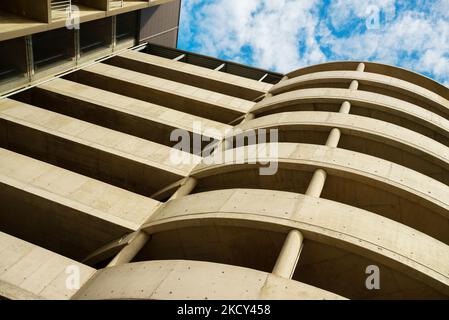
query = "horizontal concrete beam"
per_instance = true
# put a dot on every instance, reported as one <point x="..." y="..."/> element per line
<point x="123" y="160"/>
<point x="30" y="272"/>
<point x="185" y="98"/>
<point x="118" y="112"/>
<point x="64" y="211"/>
<point x="191" y="74"/>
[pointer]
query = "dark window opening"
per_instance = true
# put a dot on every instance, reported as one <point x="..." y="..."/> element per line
<point x="53" y="47"/>
<point x="95" y="35"/>
<point x="13" y="61"/>
<point x="126" y="26"/>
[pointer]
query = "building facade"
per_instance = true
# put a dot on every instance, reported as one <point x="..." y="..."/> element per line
<point x="41" y="38"/>
<point x="97" y="204"/>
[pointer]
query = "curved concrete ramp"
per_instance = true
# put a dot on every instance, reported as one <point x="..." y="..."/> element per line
<point x="370" y="82"/>
<point x="329" y="222"/>
<point x="361" y="134"/>
<point x="424" y="201"/>
<point x="195" y="280"/>
<point x="416" y="115"/>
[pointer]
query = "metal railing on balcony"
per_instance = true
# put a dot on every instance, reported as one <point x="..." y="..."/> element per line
<point x="115" y="4"/>
<point x="61" y="8"/>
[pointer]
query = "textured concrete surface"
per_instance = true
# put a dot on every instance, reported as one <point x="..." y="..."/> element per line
<point x="362" y="180"/>
<point x="81" y="146"/>
<point x="358" y="231"/>
<point x="417" y="194"/>
<point x="179" y="280"/>
<point x="197" y="101"/>
<point x="378" y="68"/>
<point x="30" y="272"/>
<point x="64" y="211"/>
<point x="370" y="82"/>
<point x="366" y="135"/>
<point x="191" y="74"/>
<point x="146" y="120"/>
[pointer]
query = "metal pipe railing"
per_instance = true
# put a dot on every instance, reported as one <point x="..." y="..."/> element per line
<point x="61" y="8"/>
<point x="116" y="3"/>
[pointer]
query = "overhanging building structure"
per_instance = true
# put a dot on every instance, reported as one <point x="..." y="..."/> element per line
<point x="88" y="188"/>
<point x="41" y="38"/>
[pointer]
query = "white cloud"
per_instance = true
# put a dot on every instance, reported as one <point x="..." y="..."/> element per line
<point x="342" y="12"/>
<point x="413" y="40"/>
<point x="273" y="29"/>
<point x="283" y="35"/>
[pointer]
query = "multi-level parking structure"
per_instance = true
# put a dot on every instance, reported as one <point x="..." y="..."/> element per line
<point x="362" y="181"/>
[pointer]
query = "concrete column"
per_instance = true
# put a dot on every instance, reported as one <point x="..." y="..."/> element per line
<point x="345" y="107"/>
<point x="76" y="36"/>
<point x="185" y="188"/>
<point x="334" y="138"/>
<point x="354" y="85"/>
<point x="29" y="57"/>
<point x="138" y="242"/>
<point x="361" y="67"/>
<point x="317" y="183"/>
<point x="251" y="116"/>
<point x="289" y="255"/>
<point x="114" y="32"/>
<point x="131" y="250"/>
<point x="288" y="258"/>
<point x="248" y="117"/>
<point x="218" y="146"/>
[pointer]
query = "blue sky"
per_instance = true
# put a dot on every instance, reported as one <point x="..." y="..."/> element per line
<point x="283" y="35"/>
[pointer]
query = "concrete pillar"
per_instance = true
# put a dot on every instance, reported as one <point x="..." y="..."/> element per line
<point x="219" y="146"/>
<point x="288" y="258"/>
<point x="29" y="57"/>
<point x="76" y="36"/>
<point x="114" y="32"/>
<point x="289" y="255"/>
<point x="354" y="85"/>
<point x="317" y="183"/>
<point x="334" y="138"/>
<point x="131" y="250"/>
<point x="187" y="187"/>
<point x="361" y="67"/>
<point x="248" y="117"/>
<point x="138" y="242"/>
<point x="345" y="107"/>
